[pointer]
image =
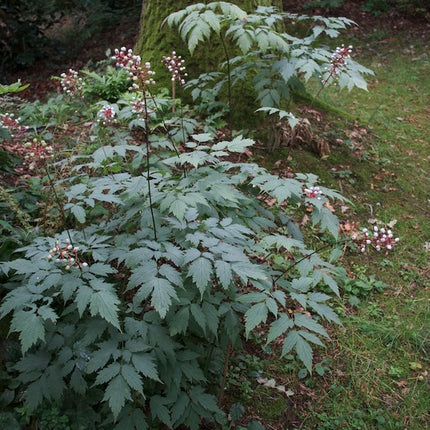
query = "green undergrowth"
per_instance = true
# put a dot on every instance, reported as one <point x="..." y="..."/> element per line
<point x="372" y="372"/>
<point x="379" y="360"/>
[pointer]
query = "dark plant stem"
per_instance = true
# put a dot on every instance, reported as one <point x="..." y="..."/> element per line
<point x="230" y="98"/>
<point x="327" y="245"/>
<point x="166" y="129"/>
<point x="173" y="96"/>
<point x="224" y="374"/>
<point x="323" y="85"/>
<point x="209" y="357"/>
<point x="160" y="112"/>
<point x="183" y="132"/>
<point x="58" y="201"/>
<point x="148" y="179"/>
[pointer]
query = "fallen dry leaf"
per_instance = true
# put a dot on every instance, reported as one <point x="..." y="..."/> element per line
<point x="344" y="208"/>
<point x="271" y="383"/>
<point x="329" y="206"/>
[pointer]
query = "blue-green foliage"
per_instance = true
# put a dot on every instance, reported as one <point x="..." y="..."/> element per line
<point x="145" y="323"/>
<point x="272" y="54"/>
<point x="176" y="259"/>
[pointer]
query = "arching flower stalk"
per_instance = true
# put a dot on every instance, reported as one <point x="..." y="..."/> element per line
<point x="142" y="76"/>
<point x="337" y="63"/>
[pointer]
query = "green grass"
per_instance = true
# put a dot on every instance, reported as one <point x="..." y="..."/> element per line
<point x="396" y="108"/>
<point x="380" y="359"/>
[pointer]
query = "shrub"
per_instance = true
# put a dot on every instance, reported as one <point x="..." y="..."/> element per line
<point x="171" y="251"/>
<point x="137" y="307"/>
<point x="129" y="315"/>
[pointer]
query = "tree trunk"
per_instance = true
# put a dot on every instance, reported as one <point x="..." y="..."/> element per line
<point x="156" y="40"/>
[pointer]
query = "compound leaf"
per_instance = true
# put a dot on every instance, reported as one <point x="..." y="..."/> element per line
<point x="159" y="410"/>
<point x="162" y="295"/>
<point x="79" y="213"/>
<point x="199" y="316"/>
<point x="83" y="298"/>
<point x="132" y="377"/>
<point x="279" y="327"/>
<point x="306" y="322"/>
<point x="116" y="393"/>
<point x="105" y="304"/>
<point x="180" y="406"/>
<point x="179" y="322"/>
<point x="106" y="374"/>
<point x="144" y="363"/>
<point x="22" y="266"/>
<point x="77" y="382"/>
<point x="289" y="342"/>
<point x="304" y="352"/>
<point x="30" y="327"/>
<point x="254" y="316"/>
<point x="223" y="272"/>
<point x="201" y="271"/>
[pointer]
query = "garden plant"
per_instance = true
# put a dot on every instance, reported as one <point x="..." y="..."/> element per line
<point x="153" y="249"/>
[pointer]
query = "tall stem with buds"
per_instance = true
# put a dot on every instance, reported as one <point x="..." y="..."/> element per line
<point x="175" y="65"/>
<point x="148" y="176"/>
<point x="141" y="76"/>
<point x="337" y="63"/>
<point x="58" y="201"/>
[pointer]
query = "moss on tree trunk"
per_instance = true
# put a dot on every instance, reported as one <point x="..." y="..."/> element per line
<point x="156" y="40"/>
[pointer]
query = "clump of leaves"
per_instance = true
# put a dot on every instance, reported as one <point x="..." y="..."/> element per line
<point x="172" y="277"/>
<point x="168" y="258"/>
<point x="106" y="86"/>
<point x="360" y="287"/>
<point x="257" y="50"/>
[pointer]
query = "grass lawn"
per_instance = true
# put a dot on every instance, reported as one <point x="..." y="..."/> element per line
<point x="374" y="373"/>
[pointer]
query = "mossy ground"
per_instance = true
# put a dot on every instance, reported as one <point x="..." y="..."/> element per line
<point x="377" y="365"/>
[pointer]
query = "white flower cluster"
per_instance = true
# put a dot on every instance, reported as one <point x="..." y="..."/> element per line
<point x="139" y="107"/>
<point x="132" y="64"/>
<point x="106" y="115"/>
<point x="379" y="238"/>
<point x="338" y="62"/>
<point x="12" y="124"/>
<point x="313" y="193"/>
<point x="37" y="151"/>
<point x="67" y="255"/>
<point x="175" y="65"/>
<point x="70" y="82"/>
